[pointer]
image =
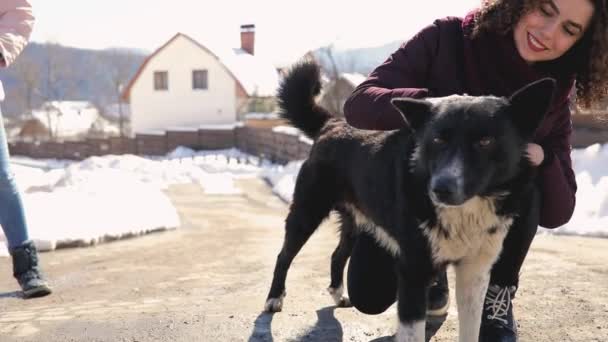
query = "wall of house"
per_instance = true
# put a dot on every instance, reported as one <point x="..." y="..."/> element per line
<point x="182" y="106"/>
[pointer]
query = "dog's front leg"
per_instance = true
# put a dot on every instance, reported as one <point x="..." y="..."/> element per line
<point x="412" y="298"/>
<point x="472" y="278"/>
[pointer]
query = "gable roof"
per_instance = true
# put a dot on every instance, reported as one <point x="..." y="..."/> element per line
<point x="253" y="75"/>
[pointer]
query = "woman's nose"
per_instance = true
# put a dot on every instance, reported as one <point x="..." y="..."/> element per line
<point x="548" y="29"/>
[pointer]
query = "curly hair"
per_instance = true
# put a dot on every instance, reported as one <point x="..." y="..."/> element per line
<point x="587" y="59"/>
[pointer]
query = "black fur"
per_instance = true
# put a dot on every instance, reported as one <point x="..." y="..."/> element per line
<point x="451" y="150"/>
<point x="296" y="99"/>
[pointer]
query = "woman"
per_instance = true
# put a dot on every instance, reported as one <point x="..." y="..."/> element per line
<point x="492" y="51"/>
<point x="16" y="22"/>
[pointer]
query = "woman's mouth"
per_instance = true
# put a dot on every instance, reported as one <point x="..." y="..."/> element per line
<point x="534" y="44"/>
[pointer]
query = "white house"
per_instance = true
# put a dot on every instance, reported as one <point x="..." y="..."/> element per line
<point x="184" y="84"/>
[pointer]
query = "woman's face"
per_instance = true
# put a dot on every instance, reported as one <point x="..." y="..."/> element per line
<point x="548" y="31"/>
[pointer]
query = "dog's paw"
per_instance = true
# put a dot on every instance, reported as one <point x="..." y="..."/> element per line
<point x="274" y="304"/>
<point x="410" y="332"/>
<point x="340" y="300"/>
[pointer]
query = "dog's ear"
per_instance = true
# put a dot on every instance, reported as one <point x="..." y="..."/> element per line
<point x="415" y="112"/>
<point x="530" y="104"/>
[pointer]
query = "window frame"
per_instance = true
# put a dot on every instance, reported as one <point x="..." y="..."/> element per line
<point x="161" y="80"/>
<point x="205" y="80"/>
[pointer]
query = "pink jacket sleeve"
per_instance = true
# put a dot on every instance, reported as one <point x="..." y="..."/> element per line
<point x="16" y="23"/>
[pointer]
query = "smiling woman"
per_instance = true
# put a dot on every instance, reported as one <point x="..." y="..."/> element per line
<point x="545" y="30"/>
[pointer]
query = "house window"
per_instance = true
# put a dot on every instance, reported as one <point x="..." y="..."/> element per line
<point x="199" y="79"/>
<point x="161" y="80"/>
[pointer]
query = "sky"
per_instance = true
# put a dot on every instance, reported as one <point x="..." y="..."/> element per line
<point x="285" y="29"/>
<point x="68" y="201"/>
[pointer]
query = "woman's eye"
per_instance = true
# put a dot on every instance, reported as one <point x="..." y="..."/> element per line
<point x="568" y="32"/>
<point x="545" y="11"/>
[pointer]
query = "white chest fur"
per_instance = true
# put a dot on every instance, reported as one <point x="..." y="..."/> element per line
<point x="470" y="230"/>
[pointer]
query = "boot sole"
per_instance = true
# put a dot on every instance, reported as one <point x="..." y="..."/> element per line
<point x="442" y="311"/>
<point x="40" y="291"/>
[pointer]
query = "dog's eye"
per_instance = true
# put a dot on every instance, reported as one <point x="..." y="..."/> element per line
<point x="485" y="142"/>
<point x="438" y="141"/>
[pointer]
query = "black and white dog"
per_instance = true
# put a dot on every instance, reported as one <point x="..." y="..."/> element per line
<point x="443" y="190"/>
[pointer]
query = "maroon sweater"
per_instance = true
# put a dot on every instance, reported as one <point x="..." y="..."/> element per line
<point x="443" y="59"/>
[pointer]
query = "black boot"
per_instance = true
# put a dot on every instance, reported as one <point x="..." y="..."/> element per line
<point x="27" y="271"/>
<point x="497" y="322"/>
<point x="439" y="296"/>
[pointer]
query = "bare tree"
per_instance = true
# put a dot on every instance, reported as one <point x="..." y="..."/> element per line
<point x="56" y="88"/>
<point x="120" y="71"/>
<point x="337" y="89"/>
<point x="28" y="73"/>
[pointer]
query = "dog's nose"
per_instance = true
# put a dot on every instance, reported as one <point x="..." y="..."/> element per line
<point x="446" y="190"/>
<point x="443" y="187"/>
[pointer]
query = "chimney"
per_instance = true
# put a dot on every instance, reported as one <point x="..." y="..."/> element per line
<point x="248" y="38"/>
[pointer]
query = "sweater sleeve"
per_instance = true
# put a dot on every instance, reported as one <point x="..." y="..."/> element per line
<point x="16" y="23"/>
<point x="556" y="176"/>
<point x="403" y="74"/>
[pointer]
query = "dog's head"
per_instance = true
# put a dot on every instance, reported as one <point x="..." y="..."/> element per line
<point x="467" y="145"/>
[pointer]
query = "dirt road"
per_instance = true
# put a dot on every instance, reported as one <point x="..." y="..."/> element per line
<point x="207" y="281"/>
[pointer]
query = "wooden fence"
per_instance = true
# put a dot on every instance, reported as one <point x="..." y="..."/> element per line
<point x="275" y="146"/>
<point x="260" y="141"/>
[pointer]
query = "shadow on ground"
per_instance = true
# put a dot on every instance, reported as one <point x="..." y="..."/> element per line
<point x="327" y="328"/>
<point x="433" y="323"/>
<point x="12" y="294"/>
<point x="262" y="330"/>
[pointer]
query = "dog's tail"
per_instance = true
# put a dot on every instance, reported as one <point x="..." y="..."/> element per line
<point x="296" y="98"/>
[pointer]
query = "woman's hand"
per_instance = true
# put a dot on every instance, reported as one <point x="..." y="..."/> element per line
<point x="535" y="154"/>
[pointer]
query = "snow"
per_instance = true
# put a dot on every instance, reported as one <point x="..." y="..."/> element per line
<point x="225" y="127"/>
<point x="109" y="197"/>
<point x="286" y="130"/>
<point x="262" y="116"/>
<point x="67" y="117"/>
<point x="257" y="75"/>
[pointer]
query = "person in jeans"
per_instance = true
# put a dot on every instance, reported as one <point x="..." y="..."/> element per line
<point x="493" y="50"/>
<point x="16" y="22"/>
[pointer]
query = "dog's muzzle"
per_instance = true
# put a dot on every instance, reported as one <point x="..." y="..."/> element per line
<point x="447" y="190"/>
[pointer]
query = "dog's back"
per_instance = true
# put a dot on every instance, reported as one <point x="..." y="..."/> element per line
<point x="349" y="158"/>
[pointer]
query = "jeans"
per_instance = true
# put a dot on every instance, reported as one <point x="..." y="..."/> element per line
<point x="12" y="215"/>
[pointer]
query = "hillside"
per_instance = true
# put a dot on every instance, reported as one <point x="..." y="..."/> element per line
<point x="54" y="72"/>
